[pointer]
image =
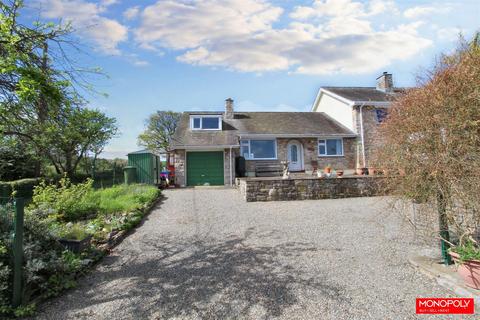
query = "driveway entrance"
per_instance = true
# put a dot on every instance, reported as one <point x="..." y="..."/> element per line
<point x="207" y="254"/>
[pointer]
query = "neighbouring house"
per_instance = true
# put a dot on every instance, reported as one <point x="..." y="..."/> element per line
<point x="361" y="110"/>
<point x="340" y="131"/>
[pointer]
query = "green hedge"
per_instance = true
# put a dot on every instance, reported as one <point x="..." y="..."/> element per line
<point x="24" y="187"/>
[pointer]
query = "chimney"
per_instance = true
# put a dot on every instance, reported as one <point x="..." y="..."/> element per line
<point x="229" y="108"/>
<point x="385" y="82"/>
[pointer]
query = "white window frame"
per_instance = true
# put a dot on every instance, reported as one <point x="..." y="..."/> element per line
<point x="325" y="143"/>
<point x="249" y="148"/>
<point x="192" y="117"/>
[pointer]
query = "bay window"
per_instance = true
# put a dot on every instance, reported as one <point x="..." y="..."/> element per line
<point x="330" y="147"/>
<point x="258" y="149"/>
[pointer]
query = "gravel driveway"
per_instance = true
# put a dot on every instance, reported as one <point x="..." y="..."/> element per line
<point x="207" y="254"/>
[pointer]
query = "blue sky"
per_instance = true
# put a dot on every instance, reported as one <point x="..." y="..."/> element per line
<point x="268" y="55"/>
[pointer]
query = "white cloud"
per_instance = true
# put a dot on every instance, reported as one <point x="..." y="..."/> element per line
<point x="327" y="37"/>
<point x="419" y="11"/>
<point x="189" y="24"/>
<point x="342" y="8"/>
<point x="131" y="13"/>
<point x="87" y="20"/>
<point x="109" y="2"/>
<point x="449" y="34"/>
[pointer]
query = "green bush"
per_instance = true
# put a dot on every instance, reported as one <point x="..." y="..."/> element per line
<point x="48" y="268"/>
<point x="22" y="188"/>
<point x="69" y="202"/>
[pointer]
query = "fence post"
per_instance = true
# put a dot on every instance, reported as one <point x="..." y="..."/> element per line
<point x="18" y="252"/>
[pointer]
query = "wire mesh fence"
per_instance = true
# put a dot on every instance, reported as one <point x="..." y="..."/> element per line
<point x="11" y="227"/>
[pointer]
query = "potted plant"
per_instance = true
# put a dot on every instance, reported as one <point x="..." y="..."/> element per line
<point x="328" y="168"/>
<point x="467" y="259"/>
<point x="74" y="237"/>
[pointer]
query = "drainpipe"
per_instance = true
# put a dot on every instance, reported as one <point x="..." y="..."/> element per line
<point x="362" y="136"/>
<point x="231" y="176"/>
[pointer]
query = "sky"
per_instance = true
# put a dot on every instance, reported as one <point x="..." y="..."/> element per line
<point x="267" y="55"/>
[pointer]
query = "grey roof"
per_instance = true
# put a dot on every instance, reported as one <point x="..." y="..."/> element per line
<point x="279" y="124"/>
<point x="144" y="151"/>
<point x="365" y="93"/>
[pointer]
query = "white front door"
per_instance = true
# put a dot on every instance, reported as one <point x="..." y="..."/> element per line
<point x="295" y="156"/>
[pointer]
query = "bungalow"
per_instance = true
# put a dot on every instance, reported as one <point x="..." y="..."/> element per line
<point x="338" y="131"/>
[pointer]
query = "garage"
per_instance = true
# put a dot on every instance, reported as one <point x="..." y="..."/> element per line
<point x="205" y="168"/>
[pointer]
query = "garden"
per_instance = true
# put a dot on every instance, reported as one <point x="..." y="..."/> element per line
<point x="67" y="228"/>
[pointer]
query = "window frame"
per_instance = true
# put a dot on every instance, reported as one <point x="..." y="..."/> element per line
<point x="242" y="144"/>
<point x="377" y="110"/>
<point x="325" y="143"/>
<point x="193" y="117"/>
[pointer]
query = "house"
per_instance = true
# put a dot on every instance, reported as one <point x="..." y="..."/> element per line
<point x="338" y="131"/>
<point x="361" y="110"/>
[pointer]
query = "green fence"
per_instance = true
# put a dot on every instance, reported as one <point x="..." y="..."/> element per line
<point x="11" y="222"/>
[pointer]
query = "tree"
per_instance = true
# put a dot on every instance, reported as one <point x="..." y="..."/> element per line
<point x="39" y="96"/>
<point x="160" y="129"/>
<point x="17" y="160"/>
<point x="75" y="132"/>
<point x="433" y="135"/>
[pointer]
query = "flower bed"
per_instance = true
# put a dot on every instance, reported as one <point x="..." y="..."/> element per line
<point x="70" y="214"/>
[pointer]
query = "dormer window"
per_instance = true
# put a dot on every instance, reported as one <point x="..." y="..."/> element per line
<point x="206" y="122"/>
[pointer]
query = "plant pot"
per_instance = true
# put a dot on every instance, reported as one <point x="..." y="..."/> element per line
<point x="339" y="173"/>
<point x="469" y="271"/>
<point x="327" y="170"/>
<point x="362" y="171"/>
<point x="76" y="246"/>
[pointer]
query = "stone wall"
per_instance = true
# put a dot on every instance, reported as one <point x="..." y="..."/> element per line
<point x="277" y="189"/>
<point x="372" y="138"/>
<point x="310" y="152"/>
<point x="180" y="169"/>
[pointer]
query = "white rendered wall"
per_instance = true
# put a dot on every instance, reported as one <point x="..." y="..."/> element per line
<point x="336" y="109"/>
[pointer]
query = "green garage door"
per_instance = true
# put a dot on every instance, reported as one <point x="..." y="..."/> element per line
<point x="204" y="168"/>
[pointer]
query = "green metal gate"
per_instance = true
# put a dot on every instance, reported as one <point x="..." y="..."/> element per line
<point x="11" y="223"/>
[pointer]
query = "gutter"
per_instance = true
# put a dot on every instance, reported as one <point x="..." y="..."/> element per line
<point x="292" y="135"/>
<point x="205" y="147"/>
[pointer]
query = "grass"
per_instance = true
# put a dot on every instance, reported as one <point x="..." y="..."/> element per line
<point x="123" y="198"/>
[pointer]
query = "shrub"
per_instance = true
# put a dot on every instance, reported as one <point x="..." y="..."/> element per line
<point x="468" y="251"/>
<point x="22" y="188"/>
<point x="68" y="201"/>
<point x="48" y="268"/>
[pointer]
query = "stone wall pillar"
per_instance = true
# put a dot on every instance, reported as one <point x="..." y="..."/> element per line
<point x="179" y="162"/>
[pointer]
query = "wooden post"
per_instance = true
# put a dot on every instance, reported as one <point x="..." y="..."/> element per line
<point x="18" y="252"/>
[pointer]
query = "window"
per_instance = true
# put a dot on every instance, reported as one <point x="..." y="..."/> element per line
<point x="206" y="122"/>
<point x="330" y="147"/>
<point x="381" y="115"/>
<point x="258" y="149"/>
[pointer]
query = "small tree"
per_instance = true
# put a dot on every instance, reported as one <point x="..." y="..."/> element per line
<point x="75" y="132"/>
<point x="433" y="135"/>
<point x="160" y="129"/>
